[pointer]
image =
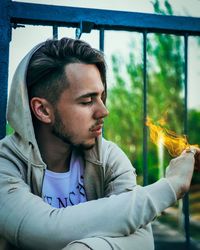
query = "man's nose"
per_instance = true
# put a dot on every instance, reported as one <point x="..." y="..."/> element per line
<point x="101" y="111"/>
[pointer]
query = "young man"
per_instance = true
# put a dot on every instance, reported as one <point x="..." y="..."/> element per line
<point x="62" y="185"/>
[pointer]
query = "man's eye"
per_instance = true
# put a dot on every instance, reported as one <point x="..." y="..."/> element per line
<point x="87" y="102"/>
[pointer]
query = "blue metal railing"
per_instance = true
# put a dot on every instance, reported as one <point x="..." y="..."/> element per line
<point x="13" y="14"/>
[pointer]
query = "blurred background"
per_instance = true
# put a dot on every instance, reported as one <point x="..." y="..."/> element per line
<point x="165" y="95"/>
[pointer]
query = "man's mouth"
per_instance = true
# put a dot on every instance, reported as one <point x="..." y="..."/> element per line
<point x="97" y="129"/>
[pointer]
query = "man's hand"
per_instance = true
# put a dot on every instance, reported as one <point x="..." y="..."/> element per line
<point x="180" y="170"/>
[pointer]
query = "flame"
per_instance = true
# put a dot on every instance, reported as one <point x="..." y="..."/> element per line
<point x="174" y="143"/>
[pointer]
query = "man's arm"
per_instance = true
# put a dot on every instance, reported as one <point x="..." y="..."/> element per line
<point x="120" y="176"/>
<point x="30" y="223"/>
<point x="141" y="239"/>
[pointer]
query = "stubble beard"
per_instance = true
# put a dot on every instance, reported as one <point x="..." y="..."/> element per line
<point x="58" y="129"/>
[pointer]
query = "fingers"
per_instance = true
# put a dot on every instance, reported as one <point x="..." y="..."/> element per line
<point x="196" y="152"/>
<point x="189" y="150"/>
<point x="180" y="171"/>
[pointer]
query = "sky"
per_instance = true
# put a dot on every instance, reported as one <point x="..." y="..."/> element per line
<point x="23" y="39"/>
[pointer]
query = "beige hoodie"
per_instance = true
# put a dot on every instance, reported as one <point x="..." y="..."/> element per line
<point x="116" y="215"/>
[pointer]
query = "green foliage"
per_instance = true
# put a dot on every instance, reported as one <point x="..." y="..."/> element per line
<point x="194" y="126"/>
<point x="125" y="99"/>
<point x="166" y="79"/>
<point x="165" y="92"/>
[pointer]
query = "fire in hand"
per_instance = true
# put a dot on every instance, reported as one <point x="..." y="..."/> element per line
<point x="175" y="144"/>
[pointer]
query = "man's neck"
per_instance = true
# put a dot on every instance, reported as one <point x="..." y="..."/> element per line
<point x="55" y="153"/>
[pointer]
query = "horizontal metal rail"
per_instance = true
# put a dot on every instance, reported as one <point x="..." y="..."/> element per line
<point x="40" y="14"/>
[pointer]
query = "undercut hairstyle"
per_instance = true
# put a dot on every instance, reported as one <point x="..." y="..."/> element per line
<point x="46" y="76"/>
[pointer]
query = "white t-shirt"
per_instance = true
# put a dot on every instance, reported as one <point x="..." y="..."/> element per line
<point x="65" y="189"/>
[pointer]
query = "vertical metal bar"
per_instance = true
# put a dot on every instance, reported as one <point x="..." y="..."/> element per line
<point x="186" y="197"/>
<point x="186" y="83"/>
<point x="5" y="37"/>
<point x="55" y="32"/>
<point x="101" y="48"/>
<point x="145" y="168"/>
<point x="101" y="39"/>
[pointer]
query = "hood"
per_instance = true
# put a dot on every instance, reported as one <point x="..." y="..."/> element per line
<point x="19" y="117"/>
<point x="18" y="111"/>
<point x="19" y="114"/>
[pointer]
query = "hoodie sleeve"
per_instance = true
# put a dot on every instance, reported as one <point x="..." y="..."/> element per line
<point x="29" y="223"/>
<point x="141" y="239"/>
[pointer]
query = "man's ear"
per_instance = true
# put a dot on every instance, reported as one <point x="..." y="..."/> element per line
<point x="42" y="109"/>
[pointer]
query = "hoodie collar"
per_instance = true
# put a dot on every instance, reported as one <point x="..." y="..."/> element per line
<point x="94" y="155"/>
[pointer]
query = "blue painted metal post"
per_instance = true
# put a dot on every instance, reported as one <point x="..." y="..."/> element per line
<point x="145" y="168"/>
<point x="31" y="13"/>
<point x="101" y="39"/>
<point x="186" y="197"/>
<point x="5" y="36"/>
<point x="55" y="32"/>
<point x="101" y="47"/>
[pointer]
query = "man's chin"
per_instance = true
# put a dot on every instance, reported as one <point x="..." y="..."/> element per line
<point x="86" y="146"/>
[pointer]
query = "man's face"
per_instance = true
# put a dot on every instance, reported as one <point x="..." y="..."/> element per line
<point x="79" y="113"/>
